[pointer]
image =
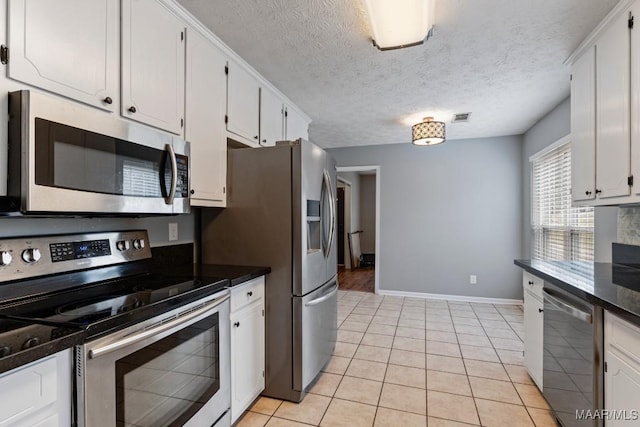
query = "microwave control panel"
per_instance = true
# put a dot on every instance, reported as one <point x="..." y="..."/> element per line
<point x="182" y="186"/>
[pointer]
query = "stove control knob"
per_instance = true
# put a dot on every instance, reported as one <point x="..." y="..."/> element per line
<point x="5" y="258"/>
<point x="31" y="255"/>
<point x="122" y="245"/>
<point x="138" y="243"/>
<point x="31" y="342"/>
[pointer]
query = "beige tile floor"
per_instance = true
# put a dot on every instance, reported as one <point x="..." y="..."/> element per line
<point x="412" y="362"/>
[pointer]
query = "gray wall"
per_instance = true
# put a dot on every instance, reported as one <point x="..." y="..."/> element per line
<point x="157" y="226"/>
<point x="368" y="213"/>
<point x="552" y="127"/>
<point x="448" y="211"/>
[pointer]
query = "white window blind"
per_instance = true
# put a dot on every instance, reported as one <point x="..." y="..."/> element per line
<point x="558" y="231"/>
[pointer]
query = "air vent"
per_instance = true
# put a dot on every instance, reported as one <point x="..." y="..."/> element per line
<point x="460" y="117"/>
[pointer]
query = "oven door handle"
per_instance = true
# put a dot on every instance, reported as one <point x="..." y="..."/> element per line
<point x="176" y="323"/>
<point x="566" y="307"/>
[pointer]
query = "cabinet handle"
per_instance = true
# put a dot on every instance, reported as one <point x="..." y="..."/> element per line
<point x="530" y="282"/>
<point x="540" y="310"/>
<point x="237" y="324"/>
<point x="250" y="293"/>
<point x="132" y="109"/>
<point x="598" y="191"/>
<point x="193" y="191"/>
<point x="255" y="137"/>
<point x="108" y="100"/>
<point x="264" y="141"/>
<point x="588" y="193"/>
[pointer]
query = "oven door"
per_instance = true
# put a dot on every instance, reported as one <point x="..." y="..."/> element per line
<point x="167" y="371"/>
<point x="75" y="159"/>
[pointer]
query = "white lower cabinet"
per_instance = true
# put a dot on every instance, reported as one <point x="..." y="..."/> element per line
<point x="247" y="345"/>
<point x="622" y="370"/>
<point x="533" y="326"/>
<point x="38" y="394"/>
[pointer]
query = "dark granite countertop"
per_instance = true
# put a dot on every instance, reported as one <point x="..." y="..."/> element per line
<point x="236" y="274"/>
<point x="615" y="287"/>
<point x="15" y="332"/>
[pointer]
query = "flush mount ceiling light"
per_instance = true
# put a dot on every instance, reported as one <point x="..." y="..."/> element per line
<point x="400" y="23"/>
<point x="428" y="132"/>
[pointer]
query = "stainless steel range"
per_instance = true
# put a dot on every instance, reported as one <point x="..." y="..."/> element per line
<point x="156" y="351"/>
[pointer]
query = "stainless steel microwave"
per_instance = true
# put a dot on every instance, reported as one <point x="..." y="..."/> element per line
<point x="65" y="158"/>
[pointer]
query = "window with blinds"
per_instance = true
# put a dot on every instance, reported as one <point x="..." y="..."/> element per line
<point x="558" y="231"/>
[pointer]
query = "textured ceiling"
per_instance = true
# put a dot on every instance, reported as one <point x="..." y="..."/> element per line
<point x="500" y="60"/>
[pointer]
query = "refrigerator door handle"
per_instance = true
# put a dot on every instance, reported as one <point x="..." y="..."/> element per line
<point x="323" y="297"/>
<point x="332" y="213"/>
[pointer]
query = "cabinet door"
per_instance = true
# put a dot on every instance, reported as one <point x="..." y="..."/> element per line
<point x="204" y="125"/>
<point x="271" y="118"/>
<point x="622" y="373"/>
<point x="612" y="110"/>
<point x="583" y="127"/>
<point x="296" y="125"/>
<point x="243" y="104"/>
<point x="152" y="65"/>
<point x="635" y="104"/>
<point x="247" y="357"/>
<point x="533" y="330"/>
<point x="69" y="47"/>
<point x="621" y="387"/>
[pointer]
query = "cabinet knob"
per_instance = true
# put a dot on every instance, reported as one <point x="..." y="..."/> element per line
<point x="264" y="141"/>
<point x="193" y="191"/>
<point x="598" y="191"/>
<point x="250" y="293"/>
<point x="108" y="100"/>
<point x="132" y="109"/>
<point x="237" y="324"/>
<point x="540" y="310"/>
<point x="255" y="137"/>
<point x="530" y="282"/>
<point x="588" y="193"/>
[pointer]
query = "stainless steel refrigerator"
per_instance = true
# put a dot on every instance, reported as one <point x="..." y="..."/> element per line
<point x="281" y="213"/>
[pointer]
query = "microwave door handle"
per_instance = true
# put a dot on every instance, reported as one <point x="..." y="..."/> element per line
<point x="174" y="175"/>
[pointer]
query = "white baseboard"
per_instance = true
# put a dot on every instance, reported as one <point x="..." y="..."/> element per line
<point x="450" y="297"/>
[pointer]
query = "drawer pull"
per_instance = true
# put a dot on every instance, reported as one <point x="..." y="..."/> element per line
<point x="237" y="324"/>
<point x="250" y="293"/>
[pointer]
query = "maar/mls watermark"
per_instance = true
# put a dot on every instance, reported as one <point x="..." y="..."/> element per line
<point x="607" y="414"/>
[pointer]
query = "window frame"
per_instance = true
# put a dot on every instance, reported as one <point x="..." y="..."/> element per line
<point x="571" y="250"/>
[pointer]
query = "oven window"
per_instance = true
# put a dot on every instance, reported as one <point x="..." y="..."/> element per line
<point x="167" y="382"/>
<point x="68" y="157"/>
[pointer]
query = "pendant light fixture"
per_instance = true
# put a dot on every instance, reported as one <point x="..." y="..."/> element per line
<point x="400" y="23"/>
<point x="428" y="132"/>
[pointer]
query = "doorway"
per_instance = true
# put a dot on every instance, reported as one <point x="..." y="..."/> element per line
<point x="359" y="227"/>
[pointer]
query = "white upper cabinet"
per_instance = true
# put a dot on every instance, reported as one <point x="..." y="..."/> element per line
<point x="204" y="125"/>
<point x="68" y="47"/>
<point x="296" y="124"/>
<point x="583" y="126"/>
<point x="605" y="100"/>
<point x="243" y="104"/>
<point x="271" y="117"/>
<point x="612" y="109"/>
<point x="153" y="65"/>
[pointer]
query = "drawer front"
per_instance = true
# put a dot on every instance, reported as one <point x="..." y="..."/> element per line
<point x="533" y="284"/>
<point x="247" y="293"/>
<point x="623" y="336"/>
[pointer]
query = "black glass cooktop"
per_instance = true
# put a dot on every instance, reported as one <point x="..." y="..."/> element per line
<point x="103" y="307"/>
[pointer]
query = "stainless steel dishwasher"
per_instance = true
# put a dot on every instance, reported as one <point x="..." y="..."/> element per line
<point x="572" y="366"/>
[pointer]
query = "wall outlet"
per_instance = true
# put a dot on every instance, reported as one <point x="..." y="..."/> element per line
<point x="173" y="231"/>
<point x="473" y="279"/>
